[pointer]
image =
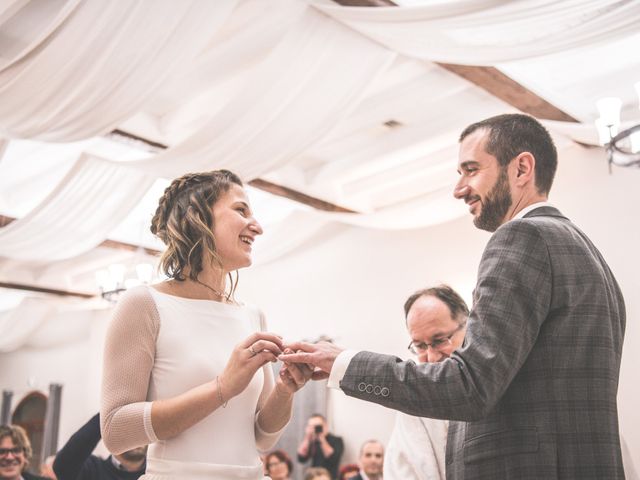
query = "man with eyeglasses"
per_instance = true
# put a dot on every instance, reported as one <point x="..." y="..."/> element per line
<point x="15" y="453"/>
<point x="436" y="320"/>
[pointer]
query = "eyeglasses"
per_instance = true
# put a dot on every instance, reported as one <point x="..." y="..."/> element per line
<point x="15" y="450"/>
<point x="439" y="344"/>
<point x="274" y="463"/>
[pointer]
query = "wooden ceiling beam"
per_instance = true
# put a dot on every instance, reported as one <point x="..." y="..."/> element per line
<point x="297" y="196"/>
<point x="4" y="221"/>
<point x="490" y="79"/>
<point x="509" y="91"/>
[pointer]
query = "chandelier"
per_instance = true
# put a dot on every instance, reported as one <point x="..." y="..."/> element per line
<point x="623" y="147"/>
<point x="117" y="278"/>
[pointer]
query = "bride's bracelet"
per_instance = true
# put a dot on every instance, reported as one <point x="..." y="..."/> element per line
<point x="220" y="397"/>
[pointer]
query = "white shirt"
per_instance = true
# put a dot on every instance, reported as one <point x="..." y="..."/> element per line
<point x="531" y="207"/>
<point x="416" y="449"/>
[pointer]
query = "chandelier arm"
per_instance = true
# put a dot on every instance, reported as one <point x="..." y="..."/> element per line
<point x="615" y="150"/>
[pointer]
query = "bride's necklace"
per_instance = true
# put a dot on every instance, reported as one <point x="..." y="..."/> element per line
<point x="222" y="296"/>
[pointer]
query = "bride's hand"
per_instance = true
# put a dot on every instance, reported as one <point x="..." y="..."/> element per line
<point x="246" y="358"/>
<point x="294" y="376"/>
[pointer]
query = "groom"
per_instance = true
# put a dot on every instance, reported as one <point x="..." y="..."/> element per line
<point x="532" y="391"/>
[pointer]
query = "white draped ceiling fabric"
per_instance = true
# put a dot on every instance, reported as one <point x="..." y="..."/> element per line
<point x="489" y="32"/>
<point x="312" y="79"/>
<point x="18" y="324"/>
<point x="100" y="64"/>
<point x="302" y="227"/>
<point x="24" y="25"/>
<point x="89" y="65"/>
<point x="256" y="133"/>
<point x="78" y="215"/>
<point x="40" y="322"/>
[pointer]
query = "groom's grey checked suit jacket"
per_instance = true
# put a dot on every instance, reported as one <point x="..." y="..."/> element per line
<point x="533" y="388"/>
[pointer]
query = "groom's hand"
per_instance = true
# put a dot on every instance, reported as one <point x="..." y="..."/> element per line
<point x="319" y="355"/>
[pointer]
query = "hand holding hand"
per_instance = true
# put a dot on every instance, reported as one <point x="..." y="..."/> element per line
<point x="247" y="357"/>
<point x="319" y="355"/>
<point x="293" y="376"/>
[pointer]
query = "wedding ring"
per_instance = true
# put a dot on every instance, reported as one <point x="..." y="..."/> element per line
<point x="253" y="352"/>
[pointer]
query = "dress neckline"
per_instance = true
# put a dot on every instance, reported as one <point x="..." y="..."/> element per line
<point x="201" y="301"/>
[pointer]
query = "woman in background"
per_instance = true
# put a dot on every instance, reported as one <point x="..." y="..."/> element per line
<point x="187" y="367"/>
<point x="278" y="465"/>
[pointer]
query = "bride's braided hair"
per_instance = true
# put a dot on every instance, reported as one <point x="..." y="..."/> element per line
<point x="184" y="221"/>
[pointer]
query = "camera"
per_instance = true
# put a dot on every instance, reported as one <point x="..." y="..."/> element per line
<point x="317" y="429"/>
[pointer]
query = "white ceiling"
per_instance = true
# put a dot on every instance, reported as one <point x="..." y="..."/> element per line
<point x="361" y="164"/>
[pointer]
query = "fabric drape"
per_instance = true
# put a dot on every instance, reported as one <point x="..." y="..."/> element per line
<point x="304" y="226"/>
<point x="101" y="64"/>
<point x="258" y="131"/>
<point x="312" y="79"/>
<point x="17" y="325"/>
<point x="490" y="32"/>
<point x="312" y="76"/>
<point x="78" y="215"/>
<point x="42" y="323"/>
<point x="25" y="24"/>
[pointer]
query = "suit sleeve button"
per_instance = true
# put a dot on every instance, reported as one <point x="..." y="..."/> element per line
<point x="384" y="392"/>
<point x="362" y="386"/>
<point x="369" y="388"/>
<point x="376" y="390"/>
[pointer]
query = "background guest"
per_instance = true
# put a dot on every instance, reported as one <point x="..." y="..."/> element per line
<point x="370" y="461"/>
<point x="323" y="448"/>
<point x="15" y="454"/>
<point x="278" y="465"/>
<point x="317" y="473"/>
<point x="348" y="471"/>
<point x="436" y="320"/>
<point x="76" y="462"/>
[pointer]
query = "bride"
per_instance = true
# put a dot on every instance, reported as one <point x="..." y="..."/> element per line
<point x="186" y="367"/>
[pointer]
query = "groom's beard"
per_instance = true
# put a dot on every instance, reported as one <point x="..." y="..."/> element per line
<point x="495" y="205"/>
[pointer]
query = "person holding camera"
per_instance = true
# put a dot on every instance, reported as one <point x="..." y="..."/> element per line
<point x="323" y="448"/>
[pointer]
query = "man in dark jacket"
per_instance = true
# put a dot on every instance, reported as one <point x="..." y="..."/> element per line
<point x="75" y="461"/>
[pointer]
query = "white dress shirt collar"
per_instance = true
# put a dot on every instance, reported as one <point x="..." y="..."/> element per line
<point x="533" y="206"/>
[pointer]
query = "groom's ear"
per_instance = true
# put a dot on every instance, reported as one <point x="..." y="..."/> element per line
<point x="525" y="164"/>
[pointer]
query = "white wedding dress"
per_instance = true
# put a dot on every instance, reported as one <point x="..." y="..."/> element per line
<point x="160" y="346"/>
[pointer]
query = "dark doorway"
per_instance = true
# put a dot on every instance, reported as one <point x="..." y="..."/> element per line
<point x="30" y="415"/>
